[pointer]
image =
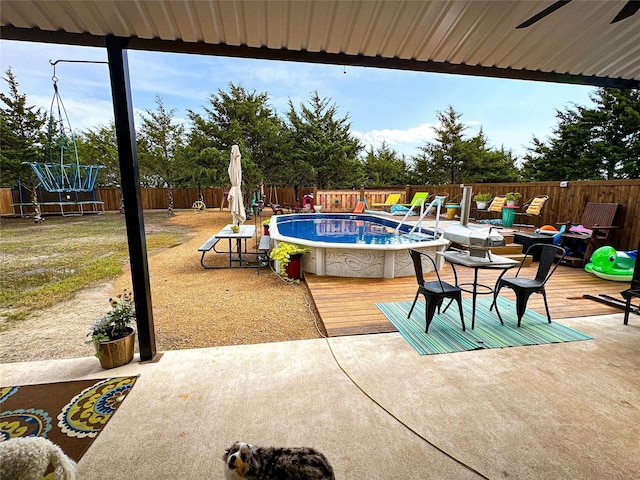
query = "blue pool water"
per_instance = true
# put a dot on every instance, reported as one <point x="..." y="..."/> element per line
<point x="346" y="229"/>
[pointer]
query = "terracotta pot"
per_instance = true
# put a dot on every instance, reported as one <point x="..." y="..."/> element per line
<point x="116" y="353"/>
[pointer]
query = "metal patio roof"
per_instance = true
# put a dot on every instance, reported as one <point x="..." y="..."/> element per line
<point x="573" y="41"/>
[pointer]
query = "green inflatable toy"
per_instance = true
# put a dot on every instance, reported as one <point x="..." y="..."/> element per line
<point x="610" y="264"/>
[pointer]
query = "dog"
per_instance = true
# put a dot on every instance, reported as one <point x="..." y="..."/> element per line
<point x="250" y="462"/>
<point x="27" y="458"/>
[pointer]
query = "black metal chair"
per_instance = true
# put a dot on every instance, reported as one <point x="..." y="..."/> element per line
<point x="550" y="258"/>
<point x="633" y="291"/>
<point x="434" y="291"/>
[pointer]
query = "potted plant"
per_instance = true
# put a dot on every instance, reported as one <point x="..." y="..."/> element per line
<point x="482" y="199"/>
<point x="288" y="256"/>
<point x="113" y="335"/>
<point x="265" y="226"/>
<point x="512" y="198"/>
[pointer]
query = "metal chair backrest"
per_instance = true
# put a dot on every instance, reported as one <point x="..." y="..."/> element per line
<point x="635" y="279"/>
<point x="535" y="205"/>
<point x="417" y="257"/>
<point x="550" y="258"/>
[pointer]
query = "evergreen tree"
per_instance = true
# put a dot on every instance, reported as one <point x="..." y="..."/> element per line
<point x="615" y="132"/>
<point x="99" y="146"/>
<point x="321" y="146"/>
<point x="160" y="142"/>
<point x="383" y="166"/>
<point x="239" y="117"/>
<point x="602" y="142"/>
<point x="452" y="158"/>
<point x="23" y="139"/>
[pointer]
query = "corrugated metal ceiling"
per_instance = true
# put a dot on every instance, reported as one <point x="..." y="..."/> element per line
<point x="576" y="43"/>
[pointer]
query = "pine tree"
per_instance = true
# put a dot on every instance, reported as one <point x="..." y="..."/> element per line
<point x="22" y="130"/>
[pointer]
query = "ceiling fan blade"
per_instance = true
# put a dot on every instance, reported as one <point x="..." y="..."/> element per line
<point x="550" y="9"/>
<point x="629" y="9"/>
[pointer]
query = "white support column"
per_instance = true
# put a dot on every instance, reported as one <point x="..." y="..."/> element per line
<point x="389" y="263"/>
<point x="320" y="261"/>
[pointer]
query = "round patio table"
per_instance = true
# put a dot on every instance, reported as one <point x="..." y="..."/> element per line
<point x="494" y="262"/>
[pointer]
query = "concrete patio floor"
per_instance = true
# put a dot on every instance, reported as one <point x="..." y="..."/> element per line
<point x="559" y="411"/>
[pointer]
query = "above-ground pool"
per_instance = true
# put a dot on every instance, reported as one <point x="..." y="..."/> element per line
<point x="347" y="245"/>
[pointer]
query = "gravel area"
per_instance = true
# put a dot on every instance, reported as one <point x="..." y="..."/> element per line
<point x="192" y="307"/>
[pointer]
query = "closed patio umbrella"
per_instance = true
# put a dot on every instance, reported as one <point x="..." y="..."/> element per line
<point x="235" y="193"/>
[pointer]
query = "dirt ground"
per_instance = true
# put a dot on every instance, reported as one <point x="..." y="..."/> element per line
<point x="192" y="307"/>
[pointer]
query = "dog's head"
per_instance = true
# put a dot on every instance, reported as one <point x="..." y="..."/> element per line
<point x="239" y="459"/>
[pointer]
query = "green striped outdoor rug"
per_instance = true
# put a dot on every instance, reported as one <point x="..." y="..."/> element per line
<point x="446" y="335"/>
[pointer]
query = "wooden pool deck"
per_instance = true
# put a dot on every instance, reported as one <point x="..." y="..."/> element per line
<point x="347" y="306"/>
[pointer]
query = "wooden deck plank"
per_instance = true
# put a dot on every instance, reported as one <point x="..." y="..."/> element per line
<point x="347" y="306"/>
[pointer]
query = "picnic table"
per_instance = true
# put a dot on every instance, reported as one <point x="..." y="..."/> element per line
<point x="236" y="260"/>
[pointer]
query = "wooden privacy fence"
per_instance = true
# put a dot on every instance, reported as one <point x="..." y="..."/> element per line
<point x="566" y="203"/>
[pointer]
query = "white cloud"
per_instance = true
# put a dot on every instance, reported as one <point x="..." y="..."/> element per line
<point x="395" y="138"/>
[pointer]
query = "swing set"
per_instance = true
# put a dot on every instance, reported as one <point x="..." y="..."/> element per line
<point x="63" y="172"/>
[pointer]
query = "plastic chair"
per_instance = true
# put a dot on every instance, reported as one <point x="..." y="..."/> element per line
<point x="418" y="197"/>
<point x="523" y="287"/>
<point x="434" y="292"/>
<point x="392" y="199"/>
<point x="434" y="201"/>
<point x="277" y="209"/>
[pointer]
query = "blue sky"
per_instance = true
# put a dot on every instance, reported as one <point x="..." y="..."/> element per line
<point x="396" y="106"/>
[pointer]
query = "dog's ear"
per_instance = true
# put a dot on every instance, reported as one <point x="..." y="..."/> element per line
<point x="253" y="457"/>
<point x="229" y="451"/>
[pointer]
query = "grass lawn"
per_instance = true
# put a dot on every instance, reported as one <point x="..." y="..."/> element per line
<point x="45" y="263"/>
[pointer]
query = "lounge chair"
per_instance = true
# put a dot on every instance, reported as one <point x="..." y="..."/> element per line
<point x="494" y="207"/>
<point x="359" y="207"/>
<point x="277" y="209"/>
<point x="418" y="197"/>
<point x="593" y="231"/>
<point x="532" y="209"/>
<point x="434" y="202"/>
<point x="391" y="199"/>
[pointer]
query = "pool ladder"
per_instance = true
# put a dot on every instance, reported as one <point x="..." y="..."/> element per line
<point x="423" y="213"/>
